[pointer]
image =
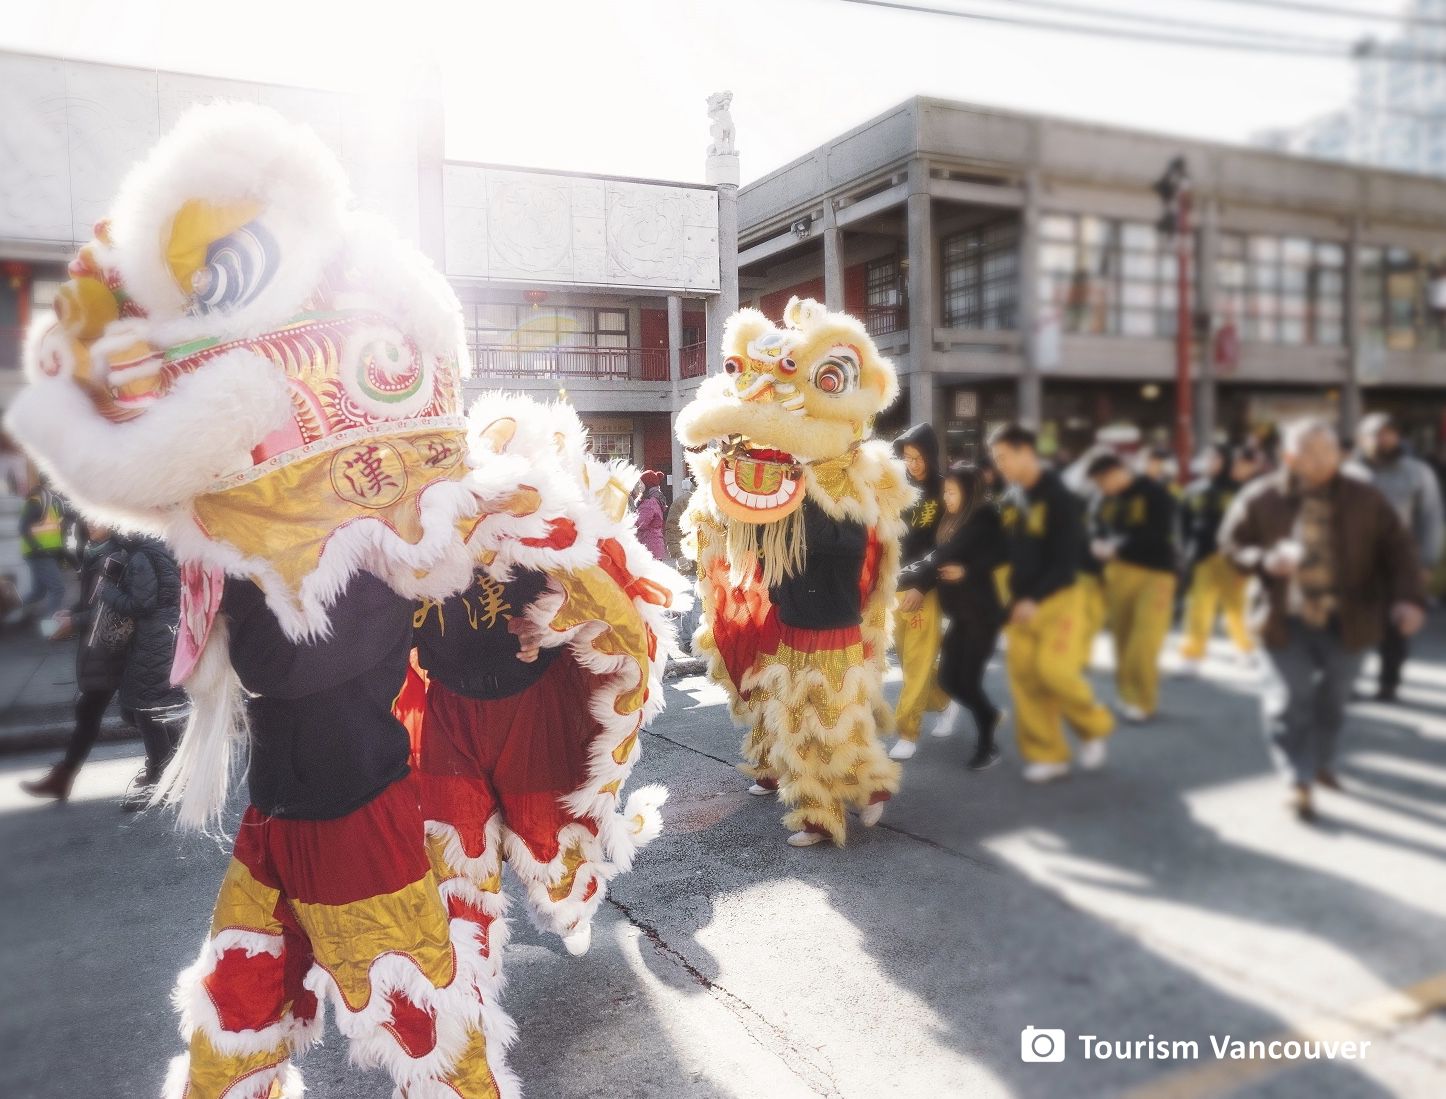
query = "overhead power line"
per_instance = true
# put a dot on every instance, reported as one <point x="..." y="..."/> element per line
<point x="1339" y="49"/>
<point x="1341" y="11"/>
<point x="1334" y="45"/>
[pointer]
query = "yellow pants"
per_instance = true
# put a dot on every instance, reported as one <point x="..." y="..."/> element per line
<point x="916" y="639"/>
<point x="1141" y="603"/>
<point x="1048" y="682"/>
<point x="1093" y="592"/>
<point x="1216" y="588"/>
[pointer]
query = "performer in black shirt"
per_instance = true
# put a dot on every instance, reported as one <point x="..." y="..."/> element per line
<point x="1138" y="548"/>
<point x="1044" y="528"/>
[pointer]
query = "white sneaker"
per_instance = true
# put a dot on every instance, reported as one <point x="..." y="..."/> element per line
<point x="947" y="723"/>
<point x="1045" y="772"/>
<point x="805" y="839"/>
<point x="903" y="749"/>
<point x="1092" y="753"/>
<point x="758" y="790"/>
<point x="1188" y="669"/>
<point x="578" y="940"/>
<point x="870" y="815"/>
<point x="1133" y="714"/>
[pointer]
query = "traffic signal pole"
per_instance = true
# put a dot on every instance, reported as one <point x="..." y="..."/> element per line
<point x="1184" y="333"/>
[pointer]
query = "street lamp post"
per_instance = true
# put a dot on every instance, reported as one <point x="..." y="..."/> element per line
<point x="1174" y="191"/>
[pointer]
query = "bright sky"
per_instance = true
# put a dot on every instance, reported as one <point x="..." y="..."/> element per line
<point x="619" y="86"/>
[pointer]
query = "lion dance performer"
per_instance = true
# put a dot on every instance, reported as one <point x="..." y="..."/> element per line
<point x="796" y="527"/>
<point x="270" y="380"/>
<point x="533" y="683"/>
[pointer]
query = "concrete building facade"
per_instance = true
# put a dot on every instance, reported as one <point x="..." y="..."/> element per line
<point x="596" y="290"/>
<point x="1011" y="266"/>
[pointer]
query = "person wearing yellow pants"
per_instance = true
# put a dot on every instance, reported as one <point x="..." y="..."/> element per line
<point x="1091" y="581"/>
<point x="918" y="625"/>
<point x="1045" y="533"/>
<point x="1138" y="546"/>
<point x="1217" y="588"/>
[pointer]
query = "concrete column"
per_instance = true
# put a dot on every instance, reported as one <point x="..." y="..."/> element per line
<point x="675" y="396"/>
<point x="833" y="259"/>
<point x="925" y="401"/>
<point x="922" y="286"/>
<point x="725" y="304"/>
<point x="1030" y="391"/>
<point x="1352" y="400"/>
<point x="431" y="228"/>
<point x="1206" y="255"/>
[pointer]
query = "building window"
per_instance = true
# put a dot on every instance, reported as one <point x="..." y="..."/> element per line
<point x="1285" y="290"/>
<point x="1107" y="277"/>
<point x="981" y="276"/>
<point x="608" y="445"/>
<point x="881" y="283"/>
<point x="1395" y="307"/>
<point x="507" y="325"/>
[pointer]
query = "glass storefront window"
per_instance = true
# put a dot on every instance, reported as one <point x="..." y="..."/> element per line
<point x="1108" y="277"/>
<point x="1288" y="290"/>
<point x="980" y="269"/>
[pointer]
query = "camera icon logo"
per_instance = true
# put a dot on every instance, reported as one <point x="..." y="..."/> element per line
<point x="1041" y="1044"/>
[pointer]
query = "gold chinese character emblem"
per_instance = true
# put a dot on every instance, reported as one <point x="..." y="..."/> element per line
<point x="370" y="475"/>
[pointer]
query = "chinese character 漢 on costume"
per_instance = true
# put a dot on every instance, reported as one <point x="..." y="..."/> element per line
<point x="796" y="528"/>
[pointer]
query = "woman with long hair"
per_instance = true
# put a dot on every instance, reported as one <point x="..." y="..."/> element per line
<point x="968" y="547"/>
<point x="917" y="625"/>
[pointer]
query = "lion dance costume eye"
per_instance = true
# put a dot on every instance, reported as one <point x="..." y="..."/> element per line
<point x="796" y="527"/>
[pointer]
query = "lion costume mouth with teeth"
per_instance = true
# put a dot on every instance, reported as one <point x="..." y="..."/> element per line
<point x="781" y="447"/>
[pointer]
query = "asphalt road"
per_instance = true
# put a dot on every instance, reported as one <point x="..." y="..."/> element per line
<point x="1170" y="895"/>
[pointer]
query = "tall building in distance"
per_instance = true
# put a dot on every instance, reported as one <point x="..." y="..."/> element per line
<point x="1397" y="115"/>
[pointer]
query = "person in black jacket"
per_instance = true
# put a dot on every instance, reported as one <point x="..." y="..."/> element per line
<point x="1045" y="533"/>
<point x="959" y="570"/>
<point x="99" y="660"/>
<point x="148" y="592"/>
<point x="918" y="625"/>
<point x="1137" y="545"/>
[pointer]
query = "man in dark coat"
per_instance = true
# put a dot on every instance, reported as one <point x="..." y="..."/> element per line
<point x="1334" y="561"/>
<point x="148" y="592"/>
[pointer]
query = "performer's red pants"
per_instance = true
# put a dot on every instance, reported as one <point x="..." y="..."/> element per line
<point x="346" y="911"/>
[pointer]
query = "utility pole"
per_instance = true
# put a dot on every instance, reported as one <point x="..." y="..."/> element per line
<point x="1174" y="191"/>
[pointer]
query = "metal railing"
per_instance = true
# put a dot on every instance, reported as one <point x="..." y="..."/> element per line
<point x="648" y="364"/>
<point x="880" y="320"/>
<point x="693" y="360"/>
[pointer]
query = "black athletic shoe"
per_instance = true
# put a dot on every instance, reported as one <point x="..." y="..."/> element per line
<point x="985" y="756"/>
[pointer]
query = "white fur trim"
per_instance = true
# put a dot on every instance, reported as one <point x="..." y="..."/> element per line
<point x="163" y="458"/>
<point x="198" y="776"/>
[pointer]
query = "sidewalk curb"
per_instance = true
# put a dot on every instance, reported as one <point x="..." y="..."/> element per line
<point x="17" y="739"/>
<point x="677" y="669"/>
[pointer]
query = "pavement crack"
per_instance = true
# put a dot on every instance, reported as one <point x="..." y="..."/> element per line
<point x="811" y="1068"/>
<point x="730" y="764"/>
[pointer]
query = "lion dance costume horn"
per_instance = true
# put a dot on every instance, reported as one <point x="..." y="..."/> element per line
<point x="270" y="381"/>
<point x="796" y="529"/>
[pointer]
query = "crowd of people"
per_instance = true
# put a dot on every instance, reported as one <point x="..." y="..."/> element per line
<point x="1315" y="555"/>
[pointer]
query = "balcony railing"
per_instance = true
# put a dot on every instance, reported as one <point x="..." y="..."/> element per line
<point x="693" y="360"/>
<point x="880" y="320"/>
<point x="649" y="364"/>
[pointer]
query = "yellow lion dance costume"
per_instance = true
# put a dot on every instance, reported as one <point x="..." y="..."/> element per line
<point x="795" y="526"/>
